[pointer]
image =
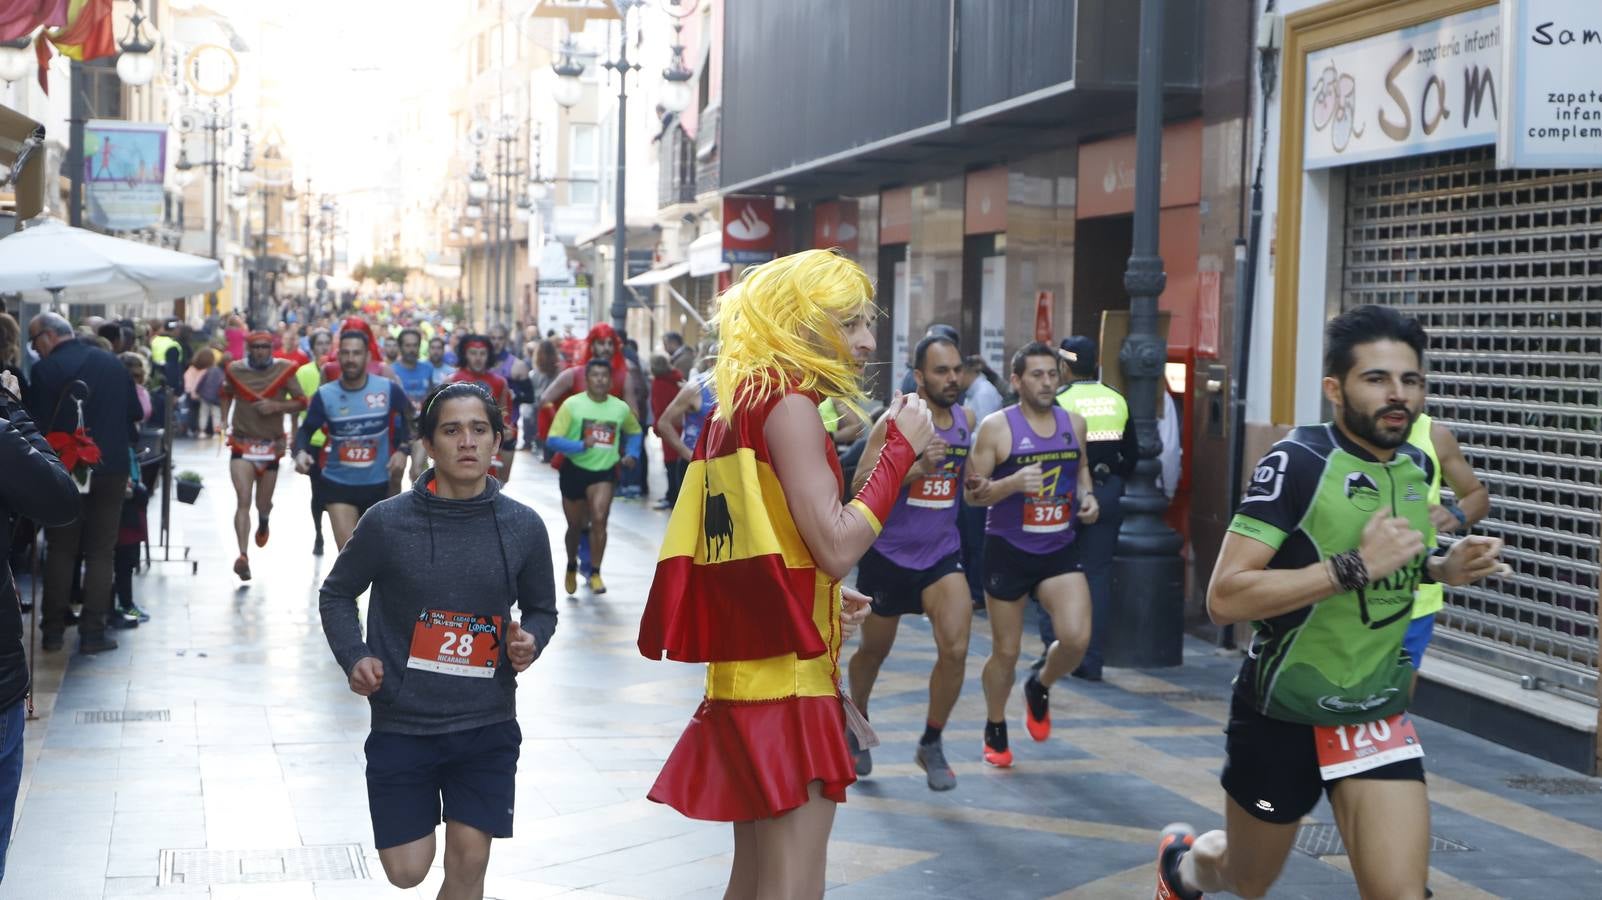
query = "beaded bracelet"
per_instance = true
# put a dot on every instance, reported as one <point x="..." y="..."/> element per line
<point x="1351" y="573"/>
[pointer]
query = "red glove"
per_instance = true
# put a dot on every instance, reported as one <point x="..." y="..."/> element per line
<point x="878" y="494"/>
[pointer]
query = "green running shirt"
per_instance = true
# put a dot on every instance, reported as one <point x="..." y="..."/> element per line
<point x="1338" y="661"/>
<point x="609" y="421"/>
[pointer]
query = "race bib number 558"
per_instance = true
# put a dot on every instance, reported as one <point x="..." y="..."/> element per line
<point x="455" y="643"/>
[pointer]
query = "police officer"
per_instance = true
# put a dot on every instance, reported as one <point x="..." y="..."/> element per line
<point x="1112" y="453"/>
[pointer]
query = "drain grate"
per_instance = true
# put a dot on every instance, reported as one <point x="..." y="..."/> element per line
<point x="1555" y="787"/>
<point x="333" y="862"/>
<point x="1325" y="840"/>
<point x="109" y="716"/>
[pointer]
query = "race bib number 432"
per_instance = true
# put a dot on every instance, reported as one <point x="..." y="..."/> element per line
<point x="601" y="434"/>
<point x="1347" y="750"/>
<point x="455" y="643"/>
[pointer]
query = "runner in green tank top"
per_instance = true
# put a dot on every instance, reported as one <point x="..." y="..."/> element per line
<point x="1323" y="558"/>
<point x="1473" y="502"/>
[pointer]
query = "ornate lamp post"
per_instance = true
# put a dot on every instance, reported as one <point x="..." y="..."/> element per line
<point x="1148" y="575"/>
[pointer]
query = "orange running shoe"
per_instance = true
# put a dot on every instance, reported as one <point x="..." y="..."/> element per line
<point x="242" y="567"/>
<point x="1175" y="842"/>
<point x="996" y="737"/>
<point x="261" y="532"/>
<point x="1037" y="709"/>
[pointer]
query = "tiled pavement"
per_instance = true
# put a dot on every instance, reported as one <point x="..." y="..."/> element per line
<point x="262" y="751"/>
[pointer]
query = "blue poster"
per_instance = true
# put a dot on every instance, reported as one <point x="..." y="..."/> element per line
<point x="125" y="165"/>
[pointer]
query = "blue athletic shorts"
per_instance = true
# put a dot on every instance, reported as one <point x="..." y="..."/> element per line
<point x="473" y="772"/>
<point x="1419" y="632"/>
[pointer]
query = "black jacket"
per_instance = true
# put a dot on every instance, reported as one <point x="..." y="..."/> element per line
<point x="112" y="413"/>
<point x="33" y="484"/>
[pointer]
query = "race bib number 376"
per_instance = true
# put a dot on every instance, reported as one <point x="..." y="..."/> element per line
<point x="455" y="643"/>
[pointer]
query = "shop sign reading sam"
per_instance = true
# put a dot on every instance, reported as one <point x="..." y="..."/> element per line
<point x="1423" y="89"/>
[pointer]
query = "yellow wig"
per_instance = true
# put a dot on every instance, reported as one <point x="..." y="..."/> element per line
<point x="780" y="328"/>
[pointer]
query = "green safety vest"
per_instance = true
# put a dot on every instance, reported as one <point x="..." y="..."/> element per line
<point x="1105" y="411"/>
<point x="1430" y="597"/>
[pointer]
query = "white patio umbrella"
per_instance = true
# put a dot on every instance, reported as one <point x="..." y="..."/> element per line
<point x="49" y="261"/>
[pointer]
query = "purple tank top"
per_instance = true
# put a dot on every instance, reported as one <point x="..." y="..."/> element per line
<point x="1045" y="523"/>
<point x="922" y="528"/>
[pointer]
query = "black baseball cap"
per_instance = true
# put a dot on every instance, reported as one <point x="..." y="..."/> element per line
<point x="1084" y="349"/>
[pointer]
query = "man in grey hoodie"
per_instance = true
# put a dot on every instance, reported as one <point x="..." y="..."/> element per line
<point x="445" y="561"/>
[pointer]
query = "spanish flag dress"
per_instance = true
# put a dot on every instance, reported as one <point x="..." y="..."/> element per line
<point x="737" y="589"/>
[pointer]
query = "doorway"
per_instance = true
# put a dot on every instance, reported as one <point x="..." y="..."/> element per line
<point x="1101" y="254"/>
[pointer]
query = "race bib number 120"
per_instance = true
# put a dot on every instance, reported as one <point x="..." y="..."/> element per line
<point x="1347" y="750"/>
<point x="455" y="643"/>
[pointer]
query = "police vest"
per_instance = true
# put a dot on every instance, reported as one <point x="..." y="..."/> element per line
<point x="1104" y="410"/>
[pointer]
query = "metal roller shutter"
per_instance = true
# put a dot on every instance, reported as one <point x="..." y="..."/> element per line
<point x="1504" y="268"/>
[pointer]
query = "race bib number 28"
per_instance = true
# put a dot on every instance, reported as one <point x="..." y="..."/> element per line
<point x="455" y="643"/>
<point x="1346" y="750"/>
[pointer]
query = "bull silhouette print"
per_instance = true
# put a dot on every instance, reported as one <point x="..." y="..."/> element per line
<point x="719" y="527"/>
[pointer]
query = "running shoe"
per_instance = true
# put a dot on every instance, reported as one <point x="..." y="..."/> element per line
<point x="261" y="532"/>
<point x="1037" y="709"/>
<point x="597" y="586"/>
<point x="931" y="758"/>
<point x="570" y="582"/>
<point x="1175" y="842"/>
<point x="861" y="760"/>
<point x="1001" y="759"/>
<point x="242" y="567"/>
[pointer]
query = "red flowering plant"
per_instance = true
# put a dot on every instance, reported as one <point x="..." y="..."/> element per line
<point x="77" y="450"/>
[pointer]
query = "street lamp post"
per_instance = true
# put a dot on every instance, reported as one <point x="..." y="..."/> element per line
<point x="675" y="98"/>
<point x="215" y="122"/>
<point x="1148" y="615"/>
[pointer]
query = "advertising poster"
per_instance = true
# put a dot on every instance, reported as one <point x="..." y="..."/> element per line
<point x="992" y="312"/>
<point x="124" y="164"/>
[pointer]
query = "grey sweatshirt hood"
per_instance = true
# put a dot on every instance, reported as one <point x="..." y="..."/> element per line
<point x="428" y="559"/>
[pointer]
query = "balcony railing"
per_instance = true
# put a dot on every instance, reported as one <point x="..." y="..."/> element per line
<point x="676" y="168"/>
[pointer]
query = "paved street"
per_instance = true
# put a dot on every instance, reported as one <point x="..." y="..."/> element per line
<point x="237" y="768"/>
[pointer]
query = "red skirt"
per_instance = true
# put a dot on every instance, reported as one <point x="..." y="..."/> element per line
<point x="739" y="762"/>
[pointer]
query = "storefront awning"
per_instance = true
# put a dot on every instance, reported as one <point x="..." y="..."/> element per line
<point x="706" y="255"/>
<point x="659" y="275"/>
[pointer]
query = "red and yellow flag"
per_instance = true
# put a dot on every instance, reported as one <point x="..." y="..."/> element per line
<point x="734" y="580"/>
<point x="87" y="35"/>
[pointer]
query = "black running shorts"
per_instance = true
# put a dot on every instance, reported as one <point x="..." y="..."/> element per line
<point x="1271" y="766"/>
<point x="898" y="591"/>
<point x="574" y="480"/>
<point x="472" y="774"/>
<point x="361" y="496"/>
<point x="1011" y="574"/>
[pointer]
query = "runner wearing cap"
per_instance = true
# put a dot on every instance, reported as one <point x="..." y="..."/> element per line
<point x="257" y="392"/>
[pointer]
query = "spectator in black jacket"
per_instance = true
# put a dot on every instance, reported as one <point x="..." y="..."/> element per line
<point x="111" y="416"/>
<point x="35" y="486"/>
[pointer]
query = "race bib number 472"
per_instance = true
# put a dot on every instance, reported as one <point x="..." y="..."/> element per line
<point x="455" y="643"/>
<point x="1347" y="750"/>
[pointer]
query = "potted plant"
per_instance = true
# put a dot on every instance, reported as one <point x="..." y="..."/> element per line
<point x="189" y="484"/>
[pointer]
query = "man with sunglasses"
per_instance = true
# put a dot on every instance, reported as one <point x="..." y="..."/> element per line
<point x="258" y="391"/>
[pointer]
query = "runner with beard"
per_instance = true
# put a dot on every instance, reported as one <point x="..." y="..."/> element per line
<point x="915" y="567"/>
<point x="1027" y="465"/>
<point x="1323" y="558"/>
<point x="258" y="391"/>
<point x="365" y="419"/>
<point x="474" y="352"/>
